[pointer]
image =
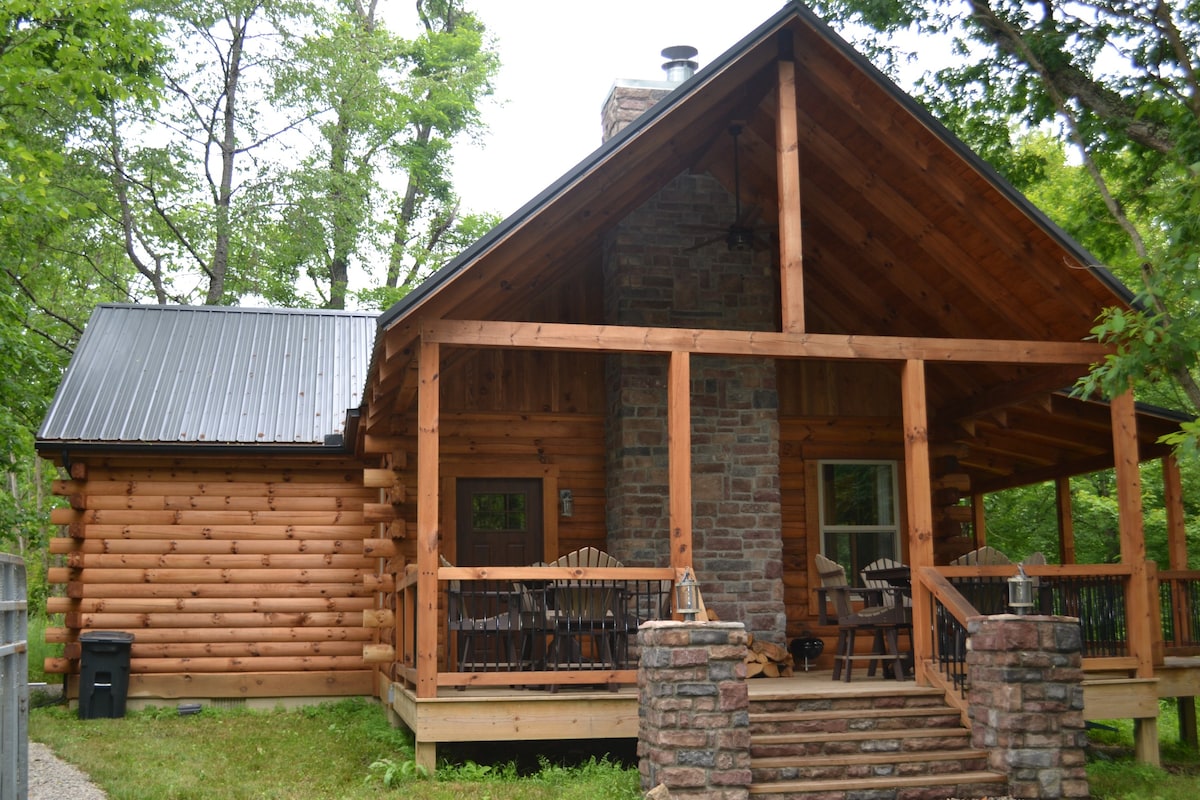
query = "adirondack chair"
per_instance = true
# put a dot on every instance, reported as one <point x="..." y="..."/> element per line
<point x="884" y="623"/>
<point x="989" y="594"/>
<point x="587" y="615"/>
<point x="888" y="587"/>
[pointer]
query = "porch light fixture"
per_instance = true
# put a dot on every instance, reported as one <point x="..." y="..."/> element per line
<point x="1020" y="592"/>
<point x="566" y="502"/>
<point x="687" y="596"/>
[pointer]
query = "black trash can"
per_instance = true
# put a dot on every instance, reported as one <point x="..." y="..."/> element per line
<point x="104" y="674"/>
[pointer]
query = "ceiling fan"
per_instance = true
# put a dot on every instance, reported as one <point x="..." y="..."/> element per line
<point x="742" y="233"/>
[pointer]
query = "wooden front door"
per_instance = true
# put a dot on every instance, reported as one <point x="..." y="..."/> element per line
<point x="499" y="522"/>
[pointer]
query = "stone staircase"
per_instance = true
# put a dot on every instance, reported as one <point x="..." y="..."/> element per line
<point x="882" y="741"/>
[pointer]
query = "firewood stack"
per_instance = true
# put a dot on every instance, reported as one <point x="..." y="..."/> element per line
<point x="767" y="660"/>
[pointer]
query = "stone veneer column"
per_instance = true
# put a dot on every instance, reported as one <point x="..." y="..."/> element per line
<point x="694" y="710"/>
<point x="1026" y="702"/>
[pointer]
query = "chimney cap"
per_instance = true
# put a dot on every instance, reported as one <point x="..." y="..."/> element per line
<point x="680" y="65"/>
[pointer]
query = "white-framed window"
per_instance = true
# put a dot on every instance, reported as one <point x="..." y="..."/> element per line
<point x="859" y="512"/>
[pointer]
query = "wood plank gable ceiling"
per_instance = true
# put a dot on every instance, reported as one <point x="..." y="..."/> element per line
<point x="905" y="232"/>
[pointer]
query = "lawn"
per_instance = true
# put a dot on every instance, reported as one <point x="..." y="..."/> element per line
<point x="341" y="750"/>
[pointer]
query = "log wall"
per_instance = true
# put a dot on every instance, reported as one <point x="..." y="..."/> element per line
<point x="238" y="576"/>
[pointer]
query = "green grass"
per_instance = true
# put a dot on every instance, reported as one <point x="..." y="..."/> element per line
<point x="340" y="750"/>
<point x="39" y="650"/>
<point x="1113" y="774"/>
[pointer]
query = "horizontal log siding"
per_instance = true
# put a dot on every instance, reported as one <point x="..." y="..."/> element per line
<point x="246" y="571"/>
<point x="804" y="441"/>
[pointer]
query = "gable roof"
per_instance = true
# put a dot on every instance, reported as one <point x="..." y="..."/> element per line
<point x="211" y="375"/>
<point x="907" y="231"/>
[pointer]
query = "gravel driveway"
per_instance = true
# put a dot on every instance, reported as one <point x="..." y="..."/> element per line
<point x="51" y="778"/>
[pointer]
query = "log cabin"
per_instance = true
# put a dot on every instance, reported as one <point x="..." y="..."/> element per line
<point x="781" y="311"/>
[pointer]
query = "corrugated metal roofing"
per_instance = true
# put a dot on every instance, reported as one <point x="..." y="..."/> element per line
<point x="212" y="374"/>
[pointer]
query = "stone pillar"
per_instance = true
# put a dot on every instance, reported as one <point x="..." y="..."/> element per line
<point x="694" y="709"/>
<point x="1026" y="702"/>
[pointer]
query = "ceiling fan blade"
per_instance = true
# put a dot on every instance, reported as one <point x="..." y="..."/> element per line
<point x="706" y="242"/>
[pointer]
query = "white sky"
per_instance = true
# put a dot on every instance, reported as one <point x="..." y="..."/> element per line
<point x="559" y="61"/>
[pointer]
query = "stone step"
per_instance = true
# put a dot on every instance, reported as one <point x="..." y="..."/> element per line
<point x="974" y="784"/>
<point x="799" y="721"/>
<point x="817" y="743"/>
<point x="936" y="763"/>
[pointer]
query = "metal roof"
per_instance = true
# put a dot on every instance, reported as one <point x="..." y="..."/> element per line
<point x="212" y="375"/>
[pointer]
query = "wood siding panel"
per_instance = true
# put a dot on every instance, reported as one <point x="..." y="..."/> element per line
<point x="241" y="566"/>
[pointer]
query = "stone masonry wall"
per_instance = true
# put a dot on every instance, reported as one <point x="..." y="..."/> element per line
<point x="694" y="710"/>
<point x="1026" y="703"/>
<point x="656" y="276"/>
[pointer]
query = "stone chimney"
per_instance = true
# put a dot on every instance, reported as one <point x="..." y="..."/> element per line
<point x="629" y="98"/>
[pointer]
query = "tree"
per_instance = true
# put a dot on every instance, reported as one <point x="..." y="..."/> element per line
<point x="1120" y="83"/>
<point x="388" y="107"/>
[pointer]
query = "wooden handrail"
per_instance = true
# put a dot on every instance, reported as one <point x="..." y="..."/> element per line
<point x="941" y="588"/>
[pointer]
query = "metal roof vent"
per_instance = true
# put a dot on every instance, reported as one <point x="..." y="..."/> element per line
<point x="679" y="65"/>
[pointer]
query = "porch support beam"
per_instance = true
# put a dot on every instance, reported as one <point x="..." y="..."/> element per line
<point x="1178" y="555"/>
<point x="918" y="490"/>
<point x="1066" y="521"/>
<point x="428" y="420"/>
<point x="768" y="344"/>
<point x="679" y="458"/>
<point x="1133" y="553"/>
<point x="1173" y="500"/>
<point x="787" y="155"/>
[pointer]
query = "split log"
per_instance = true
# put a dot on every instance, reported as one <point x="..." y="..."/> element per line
<point x="250" y="486"/>
<point x="767" y="659"/>
<point x="379" y="478"/>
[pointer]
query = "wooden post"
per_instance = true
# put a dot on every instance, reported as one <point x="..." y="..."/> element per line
<point x="679" y="458"/>
<point x="787" y="142"/>
<point x="428" y="411"/>
<point x="978" y="520"/>
<point x="1178" y="554"/>
<point x="1066" y="521"/>
<point x="918" y="489"/>
<point x="1133" y="553"/>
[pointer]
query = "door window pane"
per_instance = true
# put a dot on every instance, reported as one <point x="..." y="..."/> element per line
<point x="498" y="511"/>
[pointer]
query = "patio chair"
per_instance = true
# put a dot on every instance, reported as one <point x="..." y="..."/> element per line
<point x="889" y="594"/>
<point x="989" y="594"/>
<point x="884" y="623"/>
<point x="587" y="615"/>
<point x="484" y="616"/>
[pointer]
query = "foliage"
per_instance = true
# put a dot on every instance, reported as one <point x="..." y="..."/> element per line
<point x="1118" y="83"/>
<point x="338" y="750"/>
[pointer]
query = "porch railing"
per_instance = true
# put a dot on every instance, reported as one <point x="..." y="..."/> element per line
<point x="1095" y="594"/>
<point x="531" y="626"/>
<point x="1179" y="610"/>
